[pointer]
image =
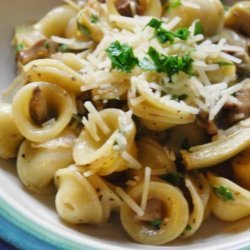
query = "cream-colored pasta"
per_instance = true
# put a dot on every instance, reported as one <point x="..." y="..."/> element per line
<point x="109" y="200"/>
<point x="76" y="200"/>
<point x="155" y="113"/>
<point x="174" y="218"/>
<point x="222" y="149"/>
<point x="55" y="22"/>
<point x="42" y="99"/>
<point x="152" y="154"/>
<point x="36" y="165"/>
<point x="210" y="13"/>
<point x="197" y="214"/>
<point x="10" y="137"/>
<point x="229" y="201"/>
<point x="53" y="71"/>
<point x="100" y="150"/>
<point x="69" y="59"/>
<point x="241" y="168"/>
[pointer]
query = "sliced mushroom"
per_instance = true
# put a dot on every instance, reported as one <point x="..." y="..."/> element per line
<point x="39" y="111"/>
<point x="128" y="7"/>
<point x="41" y="49"/>
<point x="238" y="18"/>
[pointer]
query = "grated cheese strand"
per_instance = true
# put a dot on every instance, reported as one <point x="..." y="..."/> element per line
<point x="129" y="201"/>
<point x="145" y="188"/>
<point x="133" y="163"/>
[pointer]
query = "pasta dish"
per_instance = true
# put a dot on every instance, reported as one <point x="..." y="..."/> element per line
<point x="140" y="108"/>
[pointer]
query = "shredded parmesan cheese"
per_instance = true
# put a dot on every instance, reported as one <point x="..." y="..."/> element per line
<point x="132" y="162"/>
<point x="129" y="201"/>
<point x="145" y="188"/>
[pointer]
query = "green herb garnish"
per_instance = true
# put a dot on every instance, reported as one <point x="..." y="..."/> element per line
<point x="156" y="223"/>
<point x="167" y="36"/>
<point x="19" y="47"/>
<point x="198" y="29"/>
<point x="63" y="48"/>
<point x="94" y="18"/>
<point x="171" y="65"/>
<point x="83" y="29"/>
<point x="223" y="193"/>
<point x="180" y="97"/>
<point x="122" y="56"/>
<point x="222" y="64"/>
<point x="46" y="45"/>
<point x="188" y="227"/>
<point x="173" y="4"/>
<point x="173" y="178"/>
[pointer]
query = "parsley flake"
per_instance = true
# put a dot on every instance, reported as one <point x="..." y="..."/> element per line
<point x="19" y="47"/>
<point x="63" y="48"/>
<point x="164" y="35"/>
<point x="156" y="223"/>
<point x="173" y="178"/>
<point x="222" y="64"/>
<point x="198" y="29"/>
<point x="172" y="4"/>
<point x="122" y="56"/>
<point x="94" y="18"/>
<point x="223" y="193"/>
<point x="83" y="29"/>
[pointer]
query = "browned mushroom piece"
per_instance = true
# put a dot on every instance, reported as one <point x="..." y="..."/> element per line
<point x="154" y="211"/>
<point x="83" y="97"/>
<point x="38" y="108"/>
<point x="41" y="49"/>
<point x="209" y="126"/>
<point x="126" y="7"/>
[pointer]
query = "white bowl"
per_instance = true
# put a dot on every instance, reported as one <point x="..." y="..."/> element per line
<point x="30" y="221"/>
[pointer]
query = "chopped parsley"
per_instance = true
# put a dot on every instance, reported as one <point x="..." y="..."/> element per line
<point x="19" y="47"/>
<point x="164" y="35"/>
<point x="94" y="18"/>
<point x="171" y="65"/>
<point x="173" y="178"/>
<point x="156" y="224"/>
<point x="172" y="4"/>
<point x="198" y="29"/>
<point x="83" y="29"/>
<point x="222" y="64"/>
<point x="188" y="227"/>
<point x="223" y="193"/>
<point x="46" y="45"/>
<point x="78" y="118"/>
<point x="180" y="97"/>
<point x="63" y="48"/>
<point x="122" y="56"/>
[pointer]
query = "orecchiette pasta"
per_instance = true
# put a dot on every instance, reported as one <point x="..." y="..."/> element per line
<point x="42" y="110"/>
<point x="172" y="211"/>
<point x="229" y="201"/>
<point x="10" y="137"/>
<point x="37" y="164"/>
<point x="115" y="104"/>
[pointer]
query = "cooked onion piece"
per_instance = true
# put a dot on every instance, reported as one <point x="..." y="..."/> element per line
<point x="238" y="17"/>
<point x="10" y="137"/>
<point x="76" y="200"/>
<point x="55" y="22"/>
<point x="210" y="13"/>
<point x="223" y="148"/>
<point x="157" y="113"/>
<point x="36" y="166"/>
<point x="165" y="217"/>
<point x="42" y="110"/>
<point x="241" y="168"/>
<point x="53" y="71"/>
<point x="229" y="201"/>
<point x="106" y="144"/>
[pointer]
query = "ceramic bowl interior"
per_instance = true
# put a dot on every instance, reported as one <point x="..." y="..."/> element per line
<point x="37" y="215"/>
